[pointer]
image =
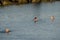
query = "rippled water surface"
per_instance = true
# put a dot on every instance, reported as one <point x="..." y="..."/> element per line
<point x="19" y="19"/>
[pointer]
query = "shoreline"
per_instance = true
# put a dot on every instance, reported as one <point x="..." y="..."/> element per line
<point x="18" y="2"/>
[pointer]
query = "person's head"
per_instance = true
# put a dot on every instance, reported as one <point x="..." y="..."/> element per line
<point x="35" y="18"/>
<point x="7" y="30"/>
<point x="52" y="17"/>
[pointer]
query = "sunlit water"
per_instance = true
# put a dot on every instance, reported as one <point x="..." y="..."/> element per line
<point x="19" y="19"/>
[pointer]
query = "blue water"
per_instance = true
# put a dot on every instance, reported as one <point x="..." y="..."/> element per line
<point x="19" y="19"/>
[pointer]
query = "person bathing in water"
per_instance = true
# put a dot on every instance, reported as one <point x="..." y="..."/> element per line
<point x="52" y="18"/>
<point x="35" y="19"/>
<point x="5" y="31"/>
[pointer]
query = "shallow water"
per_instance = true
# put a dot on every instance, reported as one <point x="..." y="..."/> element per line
<point x="19" y="19"/>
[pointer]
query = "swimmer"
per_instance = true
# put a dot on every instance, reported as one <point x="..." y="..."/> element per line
<point x="7" y="30"/>
<point x="52" y="18"/>
<point x="35" y="19"/>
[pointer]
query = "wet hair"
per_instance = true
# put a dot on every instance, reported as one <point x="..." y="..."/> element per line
<point x="35" y="18"/>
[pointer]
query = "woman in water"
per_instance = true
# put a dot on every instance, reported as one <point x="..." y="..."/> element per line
<point x="5" y="31"/>
<point x="52" y="18"/>
<point x="35" y="19"/>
